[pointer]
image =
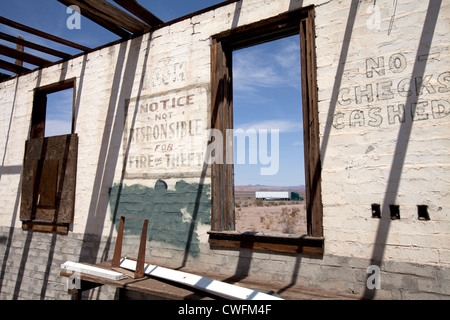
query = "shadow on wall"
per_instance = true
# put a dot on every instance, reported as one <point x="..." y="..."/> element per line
<point x="171" y="213"/>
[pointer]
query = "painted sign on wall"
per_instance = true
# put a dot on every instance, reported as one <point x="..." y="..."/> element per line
<point x="379" y="99"/>
<point x="164" y="133"/>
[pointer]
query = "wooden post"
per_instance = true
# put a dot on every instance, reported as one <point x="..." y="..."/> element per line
<point x="21" y="49"/>
<point x="115" y="263"/>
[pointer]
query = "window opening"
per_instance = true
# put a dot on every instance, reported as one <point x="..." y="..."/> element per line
<point x="269" y="170"/>
<point x="223" y="205"/>
<point x="58" y="116"/>
<point x="50" y="161"/>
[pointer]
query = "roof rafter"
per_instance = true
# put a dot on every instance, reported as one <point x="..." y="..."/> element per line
<point x="34" y="46"/>
<point x="42" y="34"/>
<point x="22" y="56"/>
<point x="139" y="11"/>
<point x="108" y="16"/>
<point x="103" y="23"/>
<point x="12" y="67"/>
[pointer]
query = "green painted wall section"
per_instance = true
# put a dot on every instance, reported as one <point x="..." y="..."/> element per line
<point x="173" y="215"/>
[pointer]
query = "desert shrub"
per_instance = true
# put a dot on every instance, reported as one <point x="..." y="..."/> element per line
<point x="259" y="202"/>
<point x="289" y="219"/>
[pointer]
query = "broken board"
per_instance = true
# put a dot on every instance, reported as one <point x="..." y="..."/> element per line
<point x="216" y="287"/>
<point x="93" y="271"/>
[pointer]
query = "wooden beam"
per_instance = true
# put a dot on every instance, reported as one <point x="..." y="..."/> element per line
<point x="12" y="67"/>
<point x="102" y="10"/>
<point x="118" y="16"/>
<point x="4" y="76"/>
<point x="139" y="11"/>
<point x="19" y="48"/>
<point x="94" y="18"/>
<point x="22" y="56"/>
<point x="91" y="270"/>
<point x="294" y="245"/>
<point x="42" y="34"/>
<point x="34" y="46"/>
<point x="219" y="288"/>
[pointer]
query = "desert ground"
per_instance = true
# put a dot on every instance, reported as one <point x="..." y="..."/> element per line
<point x="270" y="217"/>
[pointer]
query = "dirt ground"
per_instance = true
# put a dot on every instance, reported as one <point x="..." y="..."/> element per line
<point x="271" y="217"/>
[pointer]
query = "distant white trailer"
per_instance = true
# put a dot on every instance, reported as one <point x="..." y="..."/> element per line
<point x="273" y="195"/>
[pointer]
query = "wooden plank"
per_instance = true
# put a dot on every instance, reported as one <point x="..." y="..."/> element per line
<point x="34" y="46"/>
<point x="47" y="170"/>
<point x="62" y="149"/>
<point x="140" y="12"/>
<point x="12" y="67"/>
<point x="228" y="179"/>
<point x="42" y="34"/>
<point x="267" y="247"/>
<point x="86" y="12"/>
<point x="311" y="131"/>
<point x="145" y="285"/>
<point x="4" y="76"/>
<point x="216" y="287"/>
<point x="27" y="225"/>
<point x="22" y="56"/>
<point x="171" y="290"/>
<point x="101" y="10"/>
<point x="222" y="119"/>
<point x="67" y="178"/>
<point x="215" y="120"/>
<point x="38" y="115"/>
<point x="283" y="25"/>
<point x="91" y="270"/>
<point x="20" y="49"/>
<point x="304" y="244"/>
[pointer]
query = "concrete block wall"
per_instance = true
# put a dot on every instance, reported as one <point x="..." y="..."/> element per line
<point x="366" y="58"/>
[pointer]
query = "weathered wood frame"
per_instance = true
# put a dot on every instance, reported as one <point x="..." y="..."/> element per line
<point x="49" y="170"/>
<point x="222" y="232"/>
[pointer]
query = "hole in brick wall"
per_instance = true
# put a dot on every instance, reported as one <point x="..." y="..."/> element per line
<point x="422" y="211"/>
<point x="376" y="210"/>
<point x="395" y="211"/>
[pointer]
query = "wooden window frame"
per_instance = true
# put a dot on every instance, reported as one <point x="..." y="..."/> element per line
<point x="38" y="116"/>
<point x="222" y="232"/>
<point x="49" y="169"/>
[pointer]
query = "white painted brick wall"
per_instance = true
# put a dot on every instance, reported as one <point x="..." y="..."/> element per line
<point x="356" y="160"/>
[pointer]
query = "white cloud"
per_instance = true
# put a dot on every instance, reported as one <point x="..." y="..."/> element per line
<point x="276" y="65"/>
<point x="279" y="124"/>
<point x="57" y="127"/>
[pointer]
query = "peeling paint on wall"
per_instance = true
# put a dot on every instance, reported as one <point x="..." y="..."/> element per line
<point x="174" y="215"/>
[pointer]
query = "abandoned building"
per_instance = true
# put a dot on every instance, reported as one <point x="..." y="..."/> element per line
<point x="375" y="84"/>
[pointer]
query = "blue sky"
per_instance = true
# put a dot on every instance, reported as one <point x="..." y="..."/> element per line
<point x="267" y="95"/>
<point x="267" y="89"/>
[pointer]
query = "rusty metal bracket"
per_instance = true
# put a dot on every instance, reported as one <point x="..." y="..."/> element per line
<point x="115" y="263"/>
